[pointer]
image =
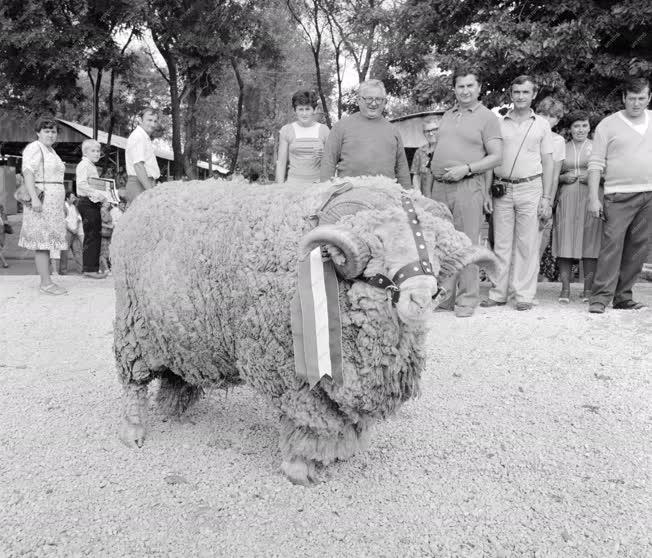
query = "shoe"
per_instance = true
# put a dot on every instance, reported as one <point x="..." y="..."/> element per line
<point x="53" y="289"/>
<point x="596" y="308"/>
<point x="629" y="305"/>
<point x="94" y="274"/>
<point x="522" y="306"/>
<point x="585" y="296"/>
<point x="489" y="303"/>
<point x="564" y="296"/>
<point x="464" y="311"/>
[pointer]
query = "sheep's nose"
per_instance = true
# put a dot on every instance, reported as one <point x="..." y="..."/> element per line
<point x="421" y="300"/>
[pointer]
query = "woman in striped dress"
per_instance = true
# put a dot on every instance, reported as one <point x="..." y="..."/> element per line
<point x="301" y="143"/>
<point x="576" y="233"/>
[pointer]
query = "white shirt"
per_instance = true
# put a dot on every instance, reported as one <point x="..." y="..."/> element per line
<point x="640" y="128"/>
<point x="140" y="150"/>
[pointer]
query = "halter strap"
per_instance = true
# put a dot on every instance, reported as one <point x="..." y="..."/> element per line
<point x="422" y="266"/>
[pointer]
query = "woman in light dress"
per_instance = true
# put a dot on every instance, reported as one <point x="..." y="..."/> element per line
<point x="44" y="225"/>
<point x="576" y="234"/>
<point x="301" y="143"/>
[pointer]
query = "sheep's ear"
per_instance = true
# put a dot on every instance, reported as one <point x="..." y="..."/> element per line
<point x="355" y="253"/>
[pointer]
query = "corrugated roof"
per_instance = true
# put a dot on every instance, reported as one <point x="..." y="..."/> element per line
<point x="121" y="143"/>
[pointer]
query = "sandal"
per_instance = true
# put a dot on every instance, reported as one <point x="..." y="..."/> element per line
<point x="629" y="305"/>
<point x="53" y="289"/>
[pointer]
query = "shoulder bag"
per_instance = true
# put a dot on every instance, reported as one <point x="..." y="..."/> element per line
<point x="22" y="193"/>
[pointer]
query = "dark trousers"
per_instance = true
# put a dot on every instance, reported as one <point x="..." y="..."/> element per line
<point x="92" y="223"/>
<point x="625" y="246"/>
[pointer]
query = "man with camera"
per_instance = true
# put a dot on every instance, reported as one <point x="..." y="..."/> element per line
<point x="470" y="143"/>
<point x="521" y="197"/>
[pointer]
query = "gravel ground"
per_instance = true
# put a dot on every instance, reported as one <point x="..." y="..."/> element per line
<point x="531" y="438"/>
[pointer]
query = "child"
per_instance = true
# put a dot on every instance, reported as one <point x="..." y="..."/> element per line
<point x="107" y="231"/>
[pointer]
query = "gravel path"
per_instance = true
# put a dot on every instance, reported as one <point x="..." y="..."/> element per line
<point x="531" y="438"/>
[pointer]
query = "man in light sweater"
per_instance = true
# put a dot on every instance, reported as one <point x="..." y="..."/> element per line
<point x="622" y="152"/>
<point x="365" y="143"/>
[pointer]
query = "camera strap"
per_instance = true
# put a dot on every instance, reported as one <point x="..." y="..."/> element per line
<point x="520" y="147"/>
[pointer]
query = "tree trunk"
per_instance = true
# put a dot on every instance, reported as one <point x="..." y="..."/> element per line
<point x="238" y="123"/>
<point x="96" y="83"/>
<point x="175" y="104"/>
<point x="190" y="132"/>
<point x="315" y="55"/>
<point x="109" y="132"/>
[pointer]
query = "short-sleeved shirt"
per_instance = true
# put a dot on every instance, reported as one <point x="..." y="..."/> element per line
<point x="305" y="149"/>
<point x="558" y="148"/>
<point x="463" y="136"/>
<point x="44" y="164"/>
<point x="536" y="142"/>
<point x="141" y="150"/>
<point x="85" y="169"/>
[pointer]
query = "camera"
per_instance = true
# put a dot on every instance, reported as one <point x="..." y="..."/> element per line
<point x="498" y="189"/>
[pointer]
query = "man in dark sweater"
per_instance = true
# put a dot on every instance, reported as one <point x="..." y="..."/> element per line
<point x="365" y="144"/>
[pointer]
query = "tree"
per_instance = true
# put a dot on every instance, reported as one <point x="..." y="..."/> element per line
<point x="38" y="62"/>
<point x="309" y="16"/>
<point x="576" y="50"/>
<point x="194" y="37"/>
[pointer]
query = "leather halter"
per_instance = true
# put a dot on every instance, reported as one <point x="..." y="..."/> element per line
<point x="422" y="266"/>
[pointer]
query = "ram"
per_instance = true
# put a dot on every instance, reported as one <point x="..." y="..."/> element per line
<point x="206" y="276"/>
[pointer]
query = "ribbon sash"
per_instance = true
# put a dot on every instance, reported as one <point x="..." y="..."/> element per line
<point x="316" y="322"/>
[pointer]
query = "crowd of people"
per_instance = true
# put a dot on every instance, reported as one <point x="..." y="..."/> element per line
<point x="576" y="200"/>
<point x="579" y="200"/>
<point x="56" y="222"/>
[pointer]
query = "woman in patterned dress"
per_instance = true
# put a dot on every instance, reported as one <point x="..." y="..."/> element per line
<point x="301" y="143"/>
<point x="576" y="233"/>
<point x="44" y="225"/>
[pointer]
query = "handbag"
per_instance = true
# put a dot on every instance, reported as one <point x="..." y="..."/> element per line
<point x="22" y="193"/>
<point x="498" y="188"/>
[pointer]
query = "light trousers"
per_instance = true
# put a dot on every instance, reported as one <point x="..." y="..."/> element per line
<point x="516" y="242"/>
<point x="464" y="199"/>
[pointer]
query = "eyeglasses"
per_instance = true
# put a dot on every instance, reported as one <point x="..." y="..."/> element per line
<point x="369" y="100"/>
<point x="431" y="131"/>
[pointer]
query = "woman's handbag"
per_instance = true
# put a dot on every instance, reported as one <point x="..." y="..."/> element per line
<point x="22" y="193"/>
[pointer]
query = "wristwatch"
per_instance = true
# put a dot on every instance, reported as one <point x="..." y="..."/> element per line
<point x="470" y="171"/>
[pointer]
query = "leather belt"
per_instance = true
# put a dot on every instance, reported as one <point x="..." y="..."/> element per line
<point x="518" y="180"/>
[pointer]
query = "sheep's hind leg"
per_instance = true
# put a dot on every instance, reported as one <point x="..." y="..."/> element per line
<point x="132" y="430"/>
<point x="175" y="396"/>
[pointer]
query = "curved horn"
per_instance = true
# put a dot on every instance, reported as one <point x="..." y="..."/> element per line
<point x="459" y="259"/>
<point x="355" y="250"/>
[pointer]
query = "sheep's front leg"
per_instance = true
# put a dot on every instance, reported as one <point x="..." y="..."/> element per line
<point x="313" y="431"/>
<point x="132" y="430"/>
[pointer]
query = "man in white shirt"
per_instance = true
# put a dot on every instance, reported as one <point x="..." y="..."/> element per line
<point x="525" y="177"/>
<point x="142" y="168"/>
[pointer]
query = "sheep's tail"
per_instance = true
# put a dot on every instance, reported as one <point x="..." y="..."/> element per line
<point x="175" y="396"/>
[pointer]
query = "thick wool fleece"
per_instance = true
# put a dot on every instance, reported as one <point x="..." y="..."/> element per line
<point x="204" y="274"/>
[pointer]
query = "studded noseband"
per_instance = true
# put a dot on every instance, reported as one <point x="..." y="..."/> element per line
<point x="422" y="266"/>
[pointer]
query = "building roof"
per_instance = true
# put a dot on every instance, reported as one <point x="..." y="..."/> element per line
<point x="410" y="127"/>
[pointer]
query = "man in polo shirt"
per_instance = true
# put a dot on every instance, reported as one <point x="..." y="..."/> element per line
<point x="470" y="143"/>
<point x="526" y="175"/>
<point x="142" y="168"/>
<point x="622" y="150"/>
<point x="365" y="143"/>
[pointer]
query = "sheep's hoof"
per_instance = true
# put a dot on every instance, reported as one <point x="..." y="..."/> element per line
<point x="132" y="434"/>
<point x="300" y="471"/>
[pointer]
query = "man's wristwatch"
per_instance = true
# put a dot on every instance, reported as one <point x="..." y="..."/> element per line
<point x="470" y="171"/>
